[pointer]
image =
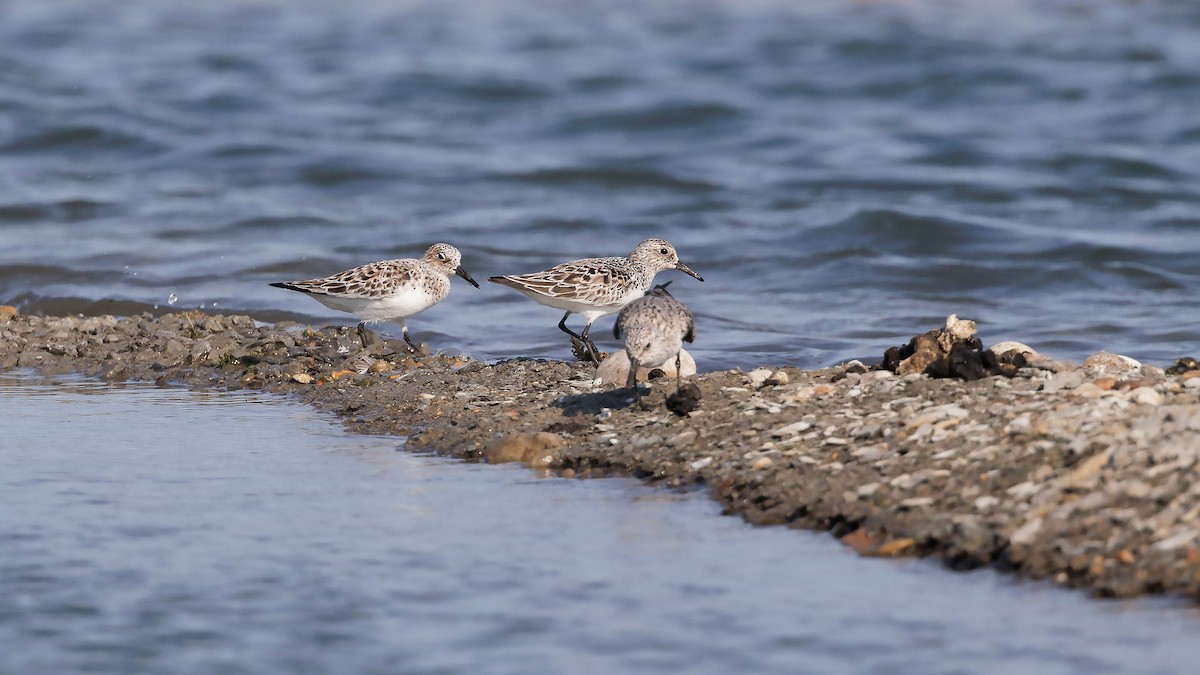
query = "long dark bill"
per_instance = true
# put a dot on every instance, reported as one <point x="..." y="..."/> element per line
<point x="463" y="273"/>
<point x="688" y="271"/>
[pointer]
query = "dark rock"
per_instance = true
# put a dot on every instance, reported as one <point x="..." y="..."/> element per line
<point x="1183" y="365"/>
<point x="685" y="400"/>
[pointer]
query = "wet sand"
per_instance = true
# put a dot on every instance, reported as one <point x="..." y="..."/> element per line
<point x="1082" y="475"/>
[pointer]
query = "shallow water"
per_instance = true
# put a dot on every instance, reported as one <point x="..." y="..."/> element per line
<point x="169" y="531"/>
<point x="844" y="174"/>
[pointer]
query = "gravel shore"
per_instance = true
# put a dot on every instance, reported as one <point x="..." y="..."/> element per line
<point x="1085" y="475"/>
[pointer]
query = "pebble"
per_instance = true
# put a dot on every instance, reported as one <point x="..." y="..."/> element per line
<point x="792" y="429"/>
<point x="1107" y="362"/>
<point x="759" y="376"/>
<point x="1146" y="396"/>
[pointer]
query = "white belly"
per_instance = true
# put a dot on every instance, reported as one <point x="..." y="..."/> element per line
<point x="396" y="307"/>
<point x="589" y="311"/>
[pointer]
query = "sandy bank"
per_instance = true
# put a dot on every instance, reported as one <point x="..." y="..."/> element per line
<point x="1086" y="477"/>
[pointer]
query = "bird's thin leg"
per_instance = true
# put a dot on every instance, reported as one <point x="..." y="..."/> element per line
<point x="364" y="334"/>
<point x="631" y="381"/>
<point x="562" y="325"/>
<point x="592" y="351"/>
<point x="678" y="374"/>
<point x="404" y="329"/>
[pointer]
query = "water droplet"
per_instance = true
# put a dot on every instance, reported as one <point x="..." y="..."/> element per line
<point x="172" y="299"/>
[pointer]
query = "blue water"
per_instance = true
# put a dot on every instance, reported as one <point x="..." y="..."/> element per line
<point x="844" y="174"/>
<point x="166" y="531"/>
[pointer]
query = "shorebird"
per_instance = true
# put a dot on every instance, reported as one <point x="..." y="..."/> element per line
<point x="388" y="290"/>
<point x="596" y="287"/>
<point x="655" y="326"/>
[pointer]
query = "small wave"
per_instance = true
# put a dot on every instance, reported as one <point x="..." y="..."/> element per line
<point x="80" y="138"/>
<point x="274" y="223"/>
<point x="248" y="150"/>
<point x="663" y="117"/>
<point x="29" y="303"/>
<point x="1107" y="166"/>
<point x="338" y="172"/>
<point x="404" y="88"/>
<point x="69" y="210"/>
<point x="610" y="178"/>
<point x="923" y="236"/>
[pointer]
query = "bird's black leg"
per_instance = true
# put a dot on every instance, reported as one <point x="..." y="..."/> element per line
<point x="678" y="374"/>
<point x="583" y="339"/>
<point x="404" y="329"/>
<point x="364" y="334"/>
<point x="562" y="325"/>
<point x="631" y="381"/>
<point x="592" y="351"/>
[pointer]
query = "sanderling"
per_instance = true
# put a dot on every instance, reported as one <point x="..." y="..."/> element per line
<point x="388" y="290"/>
<point x="655" y="327"/>
<point x="596" y="287"/>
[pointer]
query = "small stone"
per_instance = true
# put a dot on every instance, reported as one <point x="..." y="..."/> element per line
<point x="302" y="378"/>
<point x="957" y="330"/>
<point x="1088" y="390"/>
<point x="381" y="366"/>
<point x="762" y="463"/>
<point x="537" y="449"/>
<point x="868" y="489"/>
<point x="1125" y="556"/>
<point x="777" y="378"/>
<point x="701" y="463"/>
<point x="861" y="541"/>
<point x="758" y="376"/>
<point x="1107" y="362"/>
<point x="791" y="429"/>
<point x="985" y="503"/>
<point x="895" y="547"/>
<point x="1023" y="424"/>
<point x="1026" y="533"/>
<point x="1010" y="346"/>
<point x="1146" y="396"/>
<point x="1065" y="380"/>
<point x="1176" y="541"/>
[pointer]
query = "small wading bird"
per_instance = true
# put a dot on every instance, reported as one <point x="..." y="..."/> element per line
<point x="388" y="290"/>
<point x="596" y="287"/>
<point x="655" y="327"/>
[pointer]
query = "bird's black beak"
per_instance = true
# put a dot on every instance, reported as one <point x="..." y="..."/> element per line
<point x="688" y="271"/>
<point x="463" y="273"/>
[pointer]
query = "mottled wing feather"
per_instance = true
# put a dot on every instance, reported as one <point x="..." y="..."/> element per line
<point x="371" y="281"/>
<point x="690" y="336"/>
<point x="595" y="279"/>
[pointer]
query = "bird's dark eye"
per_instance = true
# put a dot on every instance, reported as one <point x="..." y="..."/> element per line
<point x="441" y="256"/>
<point x="664" y="251"/>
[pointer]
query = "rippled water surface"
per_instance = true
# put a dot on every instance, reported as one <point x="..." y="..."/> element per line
<point x="166" y="531"/>
<point x="844" y="174"/>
